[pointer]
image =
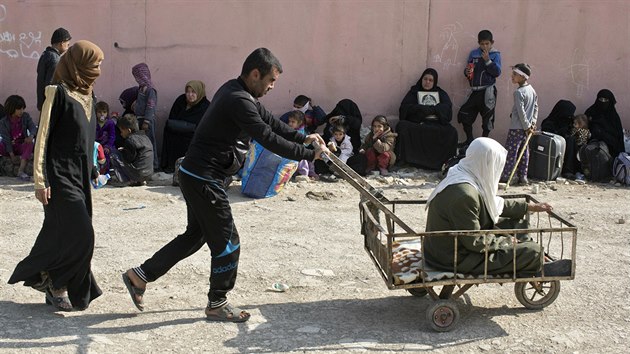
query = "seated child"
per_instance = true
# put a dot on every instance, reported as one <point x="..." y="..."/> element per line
<point x="580" y="129"/>
<point x="314" y="116"/>
<point x="133" y="162"/>
<point x="379" y="146"/>
<point x="340" y="144"/>
<point x="17" y="134"/>
<point x="99" y="162"/>
<point x="305" y="167"/>
<point x="99" y="156"/>
<point x="105" y="133"/>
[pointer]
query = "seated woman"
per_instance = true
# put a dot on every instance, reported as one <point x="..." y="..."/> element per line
<point x="17" y="132"/>
<point x="560" y="122"/>
<point x="605" y="124"/>
<point x="426" y="137"/>
<point x="467" y="200"/>
<point x="347" y="114"/>
<point x="180" y="127"/>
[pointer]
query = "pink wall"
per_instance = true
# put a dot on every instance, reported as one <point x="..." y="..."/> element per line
<point x="369" y="50"/>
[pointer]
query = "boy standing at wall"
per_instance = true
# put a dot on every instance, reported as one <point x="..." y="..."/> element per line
<point x="482" y="69"/>
<point x="524" y="116"/>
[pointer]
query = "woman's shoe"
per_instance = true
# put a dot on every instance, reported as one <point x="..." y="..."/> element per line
<point x="59" y="299"/>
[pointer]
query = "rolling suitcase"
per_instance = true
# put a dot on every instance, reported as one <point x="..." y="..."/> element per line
<point x="546" y="155"/>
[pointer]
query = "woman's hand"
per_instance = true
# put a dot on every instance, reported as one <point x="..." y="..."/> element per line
<point x="43" y="195"/>
<point x="538" y="207"/>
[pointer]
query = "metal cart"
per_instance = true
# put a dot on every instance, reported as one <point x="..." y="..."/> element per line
<point x="381" y="226"/>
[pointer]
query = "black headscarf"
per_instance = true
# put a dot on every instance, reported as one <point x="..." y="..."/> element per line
<point x="605" y="123"/>
<point x="560" y="120"/>
<point x="411" y="110"/>
<point x="352" y="122"/>
<point x="433" y="73"/>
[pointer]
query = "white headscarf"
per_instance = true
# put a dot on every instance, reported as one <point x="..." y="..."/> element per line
<point x="481" y="168"/>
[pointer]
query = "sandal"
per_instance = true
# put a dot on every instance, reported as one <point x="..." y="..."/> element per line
<point x="61" y="303"/>
<point x="226" y="313"/>
<point x="133" y="291"/>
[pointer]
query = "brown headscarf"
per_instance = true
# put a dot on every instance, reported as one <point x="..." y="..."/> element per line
<point x="78" y="67"/>
<point x="200" y="89"/>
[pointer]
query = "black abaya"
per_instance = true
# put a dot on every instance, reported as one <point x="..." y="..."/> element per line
<point x="65" y="244"/>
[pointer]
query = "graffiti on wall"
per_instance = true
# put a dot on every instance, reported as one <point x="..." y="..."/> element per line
<point x="579" y="71"/>
<point x="26" y="45"/>
<point x="448" y="54"/>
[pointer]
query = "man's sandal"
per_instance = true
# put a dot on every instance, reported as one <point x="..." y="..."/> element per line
<point x="61" y="303"/>
<point x="133" y="291"/>
<point x="227" y="313"/>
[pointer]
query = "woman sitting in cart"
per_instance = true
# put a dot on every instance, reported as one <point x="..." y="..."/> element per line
<point x="467" y="200"/>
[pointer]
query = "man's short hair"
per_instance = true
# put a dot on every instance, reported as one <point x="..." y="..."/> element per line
<point x="484" y="35"/>
<point x="263" y="60"/>
<point x="128" y="121"/>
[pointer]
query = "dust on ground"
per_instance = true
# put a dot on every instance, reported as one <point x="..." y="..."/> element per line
<point x="337" y="301"/>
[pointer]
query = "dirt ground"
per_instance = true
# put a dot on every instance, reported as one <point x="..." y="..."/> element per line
<point x="337" y="301"/>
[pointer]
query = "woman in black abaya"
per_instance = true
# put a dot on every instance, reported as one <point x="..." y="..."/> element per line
<point x="180" y="127"/>
<point x="605" y="124"/>
<point x="426" y="137"/>
<point x="59" y="262"/>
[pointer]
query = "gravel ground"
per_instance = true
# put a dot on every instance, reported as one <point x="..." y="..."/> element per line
<point x="337" y="301"/>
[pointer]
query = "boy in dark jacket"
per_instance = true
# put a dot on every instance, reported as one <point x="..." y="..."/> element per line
<point x="482" y="69"/>
<point x="133" y="162"/>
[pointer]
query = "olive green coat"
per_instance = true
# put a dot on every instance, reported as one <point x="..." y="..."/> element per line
<point x="460" y="207"/>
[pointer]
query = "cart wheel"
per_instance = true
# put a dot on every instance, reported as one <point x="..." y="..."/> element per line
<point x="418" y="292"/>
<point x="443" y="315"/>
<point x="537" y="295"/>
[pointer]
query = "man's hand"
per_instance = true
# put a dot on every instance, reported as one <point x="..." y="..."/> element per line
<point x="43" y="195"/>
<point x="321" y="149"/>
<point x="29" y="139"/>
<point x="538" y="207"/>
<point x="316" y="138"/>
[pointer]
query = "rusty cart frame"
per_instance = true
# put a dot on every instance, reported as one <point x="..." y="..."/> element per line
<point x="381" y="227"/>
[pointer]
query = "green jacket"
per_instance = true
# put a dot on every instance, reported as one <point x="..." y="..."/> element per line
<point x="460" y="207"/>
